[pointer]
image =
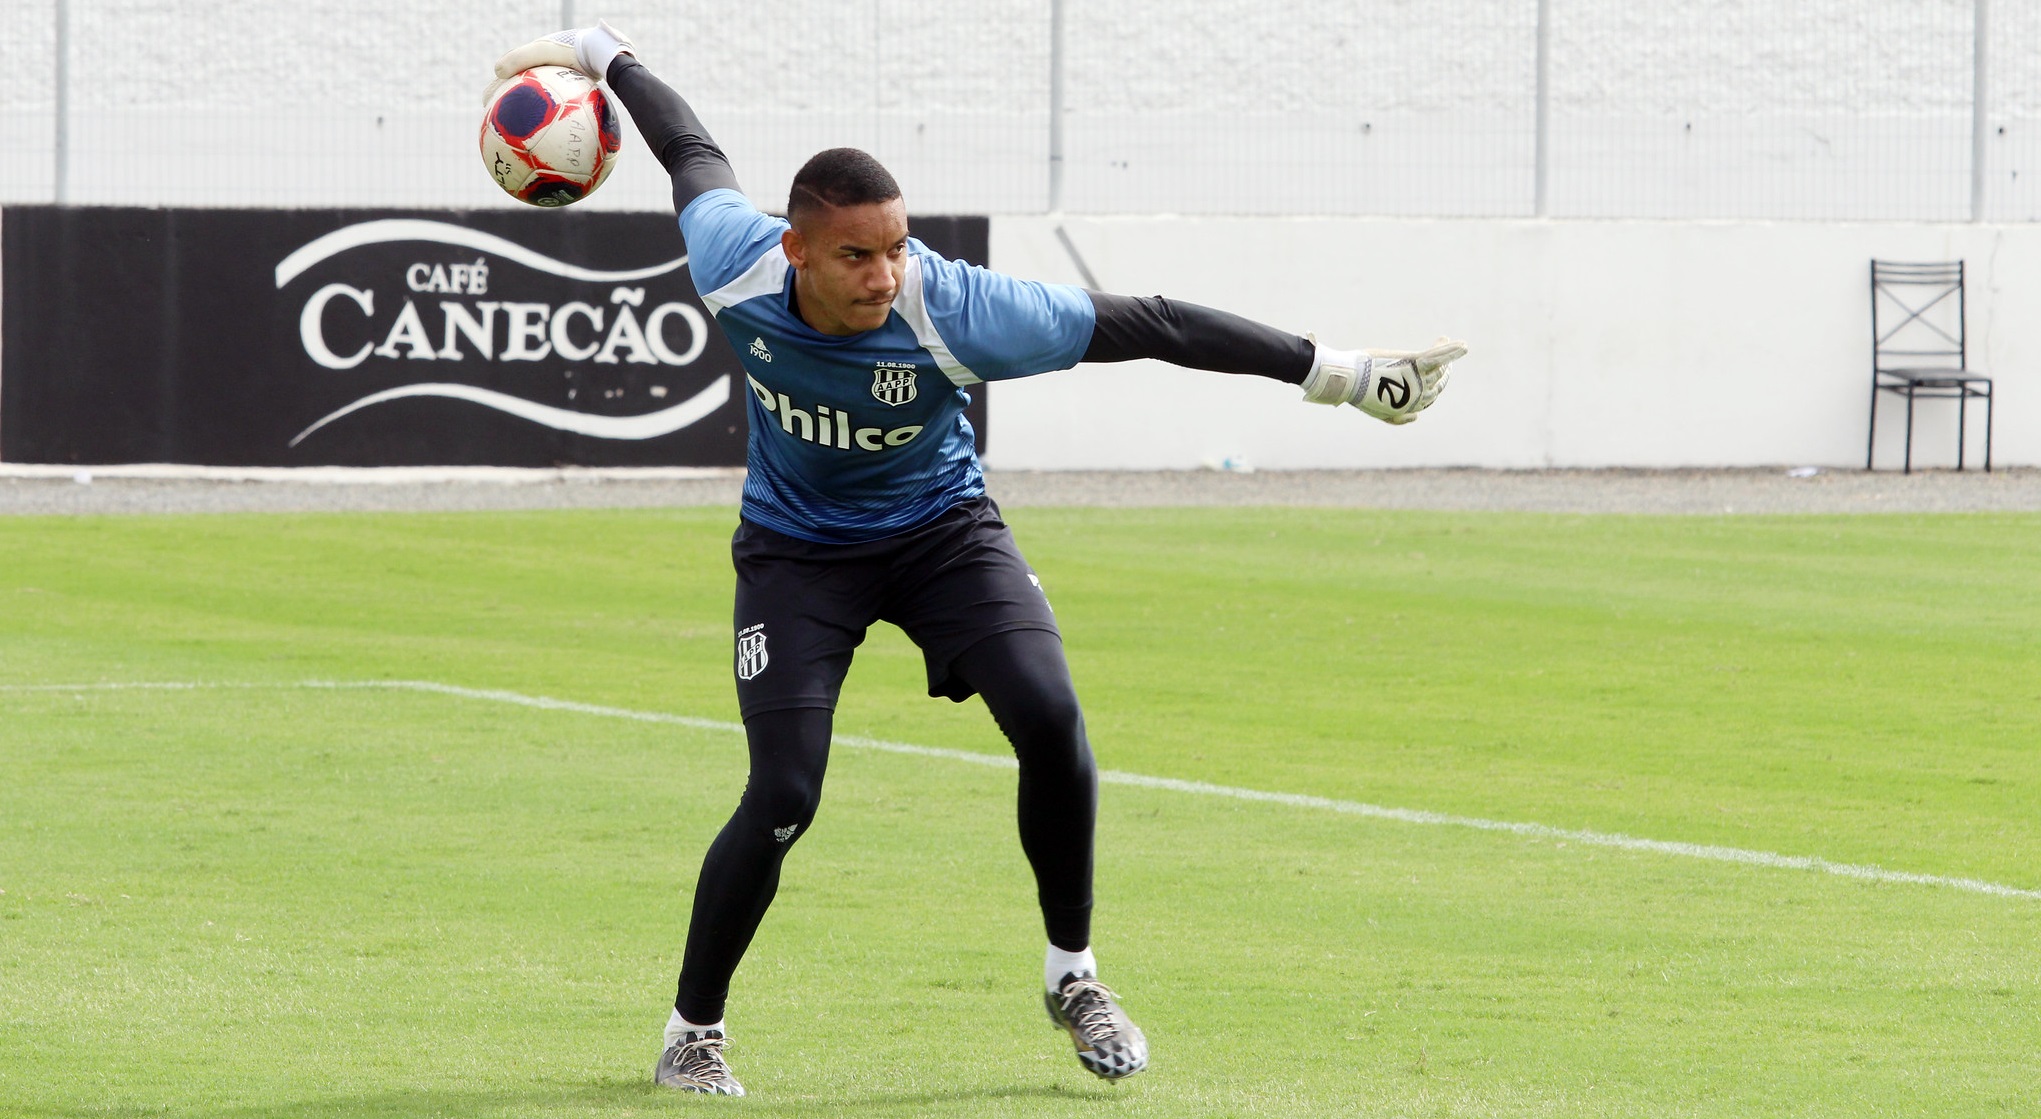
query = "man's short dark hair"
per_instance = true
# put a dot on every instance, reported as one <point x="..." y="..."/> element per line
<point x="839" y="177"/>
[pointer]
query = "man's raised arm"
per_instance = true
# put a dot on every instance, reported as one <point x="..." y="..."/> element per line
<point x="1390" y="385"/>
<point x="672" y="131"/>
<point x="667" y="122"/>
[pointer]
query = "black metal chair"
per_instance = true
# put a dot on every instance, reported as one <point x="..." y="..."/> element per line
<point x="1920" y="348"/>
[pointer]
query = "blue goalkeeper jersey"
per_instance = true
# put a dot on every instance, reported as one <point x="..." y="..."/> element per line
<point x="863" y="436"/>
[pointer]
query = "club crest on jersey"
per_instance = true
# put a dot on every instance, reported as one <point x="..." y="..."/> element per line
<point x="893" y="382"/>
<point x="751" y="658"/>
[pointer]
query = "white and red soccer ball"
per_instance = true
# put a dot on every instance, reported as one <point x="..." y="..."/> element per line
<point x="550" y="136"/>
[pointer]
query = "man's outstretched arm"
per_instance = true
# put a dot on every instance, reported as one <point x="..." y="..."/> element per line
<point x="1131" y="328"/>
<point x="1393" y="386"/>
<point x="670" y="127"/>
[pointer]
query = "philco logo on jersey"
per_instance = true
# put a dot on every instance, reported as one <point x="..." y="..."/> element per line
<point x="829" y="427"/>
<point x="751" y="658"/>
<point x="893" y="382"/>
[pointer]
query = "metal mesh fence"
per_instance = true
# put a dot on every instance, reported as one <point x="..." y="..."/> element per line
<point x="1827" y="110"/>
<point x="1824" y="109"/>
<point x="2012" y="136"/>
<point x="1240" y="106"/>
<point x="957" y="107"/>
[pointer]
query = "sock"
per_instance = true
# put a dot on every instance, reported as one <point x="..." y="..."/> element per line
<point x="1061" y="963"/>
<point x="676" y="1026"/>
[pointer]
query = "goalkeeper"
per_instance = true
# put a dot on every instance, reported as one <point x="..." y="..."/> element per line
<point x="864" y="502"/>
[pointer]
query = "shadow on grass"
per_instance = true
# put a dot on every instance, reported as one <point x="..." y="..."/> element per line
<point x="610" y="1097"/>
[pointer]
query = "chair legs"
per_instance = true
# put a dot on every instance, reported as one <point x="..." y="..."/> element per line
<point x="1962" y="424"/>
<point x="1914" y="394"/>
<point x="1909" y="431"/>
<point x="1987" y="429"/>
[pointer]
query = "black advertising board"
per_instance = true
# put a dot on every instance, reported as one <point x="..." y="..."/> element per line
<point x="368" y="338"/>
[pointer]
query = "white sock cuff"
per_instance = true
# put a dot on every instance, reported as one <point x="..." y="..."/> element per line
<point x="1060" y="963"/>
<point x="676" y="1026"/>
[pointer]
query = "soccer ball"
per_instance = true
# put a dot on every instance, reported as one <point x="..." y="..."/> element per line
<point x="549" y="136"/>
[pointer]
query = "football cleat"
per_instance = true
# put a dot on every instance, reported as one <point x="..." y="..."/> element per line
<point x="695" y="1064"/>
<point x="1108" y="1042"/>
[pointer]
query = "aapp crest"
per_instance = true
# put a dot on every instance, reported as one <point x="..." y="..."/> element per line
<point x="894" y="382"/>
<point x="751" y="656"/>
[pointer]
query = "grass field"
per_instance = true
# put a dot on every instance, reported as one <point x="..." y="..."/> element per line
<point x="261" y="898"/>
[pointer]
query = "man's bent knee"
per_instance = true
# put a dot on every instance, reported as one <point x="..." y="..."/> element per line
<point x="781" y="808"/>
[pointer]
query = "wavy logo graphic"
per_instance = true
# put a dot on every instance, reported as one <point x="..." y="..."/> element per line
<point x="651" y="425"/>
<point x="415" y="229"/>
<point x="535" y="329"/>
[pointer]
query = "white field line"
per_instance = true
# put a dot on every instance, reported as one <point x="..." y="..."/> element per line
<point x="1116" y="777"/>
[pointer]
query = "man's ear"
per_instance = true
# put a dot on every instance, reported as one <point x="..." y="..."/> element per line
<point x="796" y="248"/>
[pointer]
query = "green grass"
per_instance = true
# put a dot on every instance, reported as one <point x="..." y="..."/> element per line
<point x="276" y="900"/>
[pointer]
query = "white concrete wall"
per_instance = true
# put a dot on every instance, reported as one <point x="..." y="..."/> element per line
<point x="1656" y="344"/>
<point x="1828" y="109"/>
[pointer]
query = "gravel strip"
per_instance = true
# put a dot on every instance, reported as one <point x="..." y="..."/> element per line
<point x="1546" y="491"/>
<point x="1774" y="490"/>
<point x="191" y="495"/>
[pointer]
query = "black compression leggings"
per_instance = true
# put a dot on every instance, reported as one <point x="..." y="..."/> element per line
<point x="1026" y="684"/>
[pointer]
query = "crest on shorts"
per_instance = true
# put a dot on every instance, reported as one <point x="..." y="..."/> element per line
<point x="751" y="658"/>
<point x="893" y="382"/>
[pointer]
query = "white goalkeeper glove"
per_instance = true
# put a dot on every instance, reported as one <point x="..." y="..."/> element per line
<point x="587" y="49"/>
<point x="1391" y="385"/>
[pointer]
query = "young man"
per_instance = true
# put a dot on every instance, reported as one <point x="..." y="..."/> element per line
<point x="864" y="502"/>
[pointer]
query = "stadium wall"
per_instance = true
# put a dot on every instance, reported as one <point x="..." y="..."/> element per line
<point x="1595" y="344"/>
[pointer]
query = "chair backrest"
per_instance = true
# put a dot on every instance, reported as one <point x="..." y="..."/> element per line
<point x="1917" y="316"/>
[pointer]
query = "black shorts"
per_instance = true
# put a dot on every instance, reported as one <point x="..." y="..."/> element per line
<point x="803" y="607"/>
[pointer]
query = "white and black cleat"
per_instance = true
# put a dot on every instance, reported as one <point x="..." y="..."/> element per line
<point x="695" y="1064"/>
<point x="1108" y="1042"/>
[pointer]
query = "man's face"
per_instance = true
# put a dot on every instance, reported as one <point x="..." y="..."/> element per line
<point x="851" y="262"/>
